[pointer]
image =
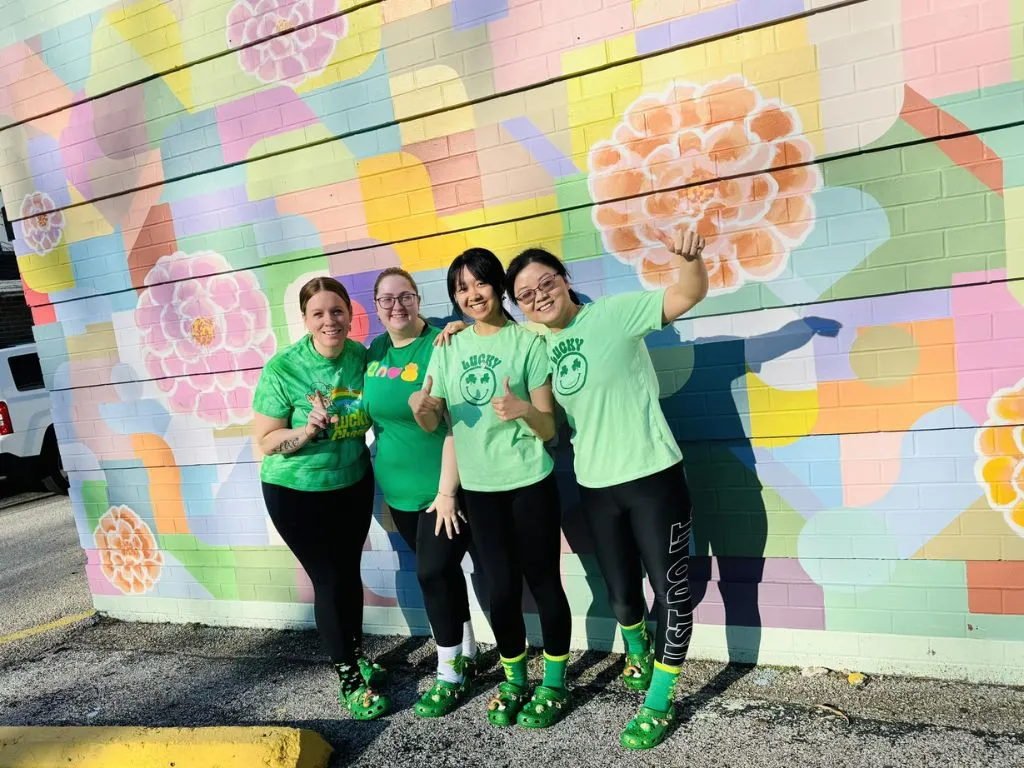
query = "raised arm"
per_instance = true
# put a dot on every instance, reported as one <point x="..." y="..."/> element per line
<point x="275" y="436"/>
<point x="692" y="284"/>
<point x="426" y="409"/>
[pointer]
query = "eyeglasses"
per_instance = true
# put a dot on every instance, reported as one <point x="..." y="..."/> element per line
<point x="405" y="299"/>
<point x="547" y="285"/>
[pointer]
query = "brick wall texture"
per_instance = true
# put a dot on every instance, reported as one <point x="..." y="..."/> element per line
<point x="849" y="398"/>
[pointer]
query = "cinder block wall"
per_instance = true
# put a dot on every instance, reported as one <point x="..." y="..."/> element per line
<point x="850" y="398"/>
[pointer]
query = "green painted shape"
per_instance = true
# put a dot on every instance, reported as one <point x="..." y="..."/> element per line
<point x="580" y="238"/>
<point x="277" y="275"/>
<point x="979" y="110"/>
<point x="908" y="597"/>
<point x="927" y="246"/>
<point x="236" y="244"/>
<point x="95" y="501"/>
<point x="211" y="566"/>
<point x="995" y="627"/>
<point x="163" y="110"/>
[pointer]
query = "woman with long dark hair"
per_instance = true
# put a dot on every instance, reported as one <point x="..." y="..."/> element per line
<point x="628" y="464"/>
<point x="493" y="379"/>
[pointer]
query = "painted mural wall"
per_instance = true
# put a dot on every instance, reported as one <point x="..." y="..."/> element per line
<point x="850" y="397"/>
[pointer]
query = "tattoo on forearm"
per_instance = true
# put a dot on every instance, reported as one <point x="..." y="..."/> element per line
<point x="286" y="445"/>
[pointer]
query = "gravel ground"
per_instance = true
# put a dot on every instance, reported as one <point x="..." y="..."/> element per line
<point x="105" y="673"/>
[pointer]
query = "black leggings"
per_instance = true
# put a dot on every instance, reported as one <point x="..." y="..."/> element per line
<point x="439" y="571"/>
<point x="646" y="521"/>
<point x="518" y="533"/>
<point x="325" y="530"/>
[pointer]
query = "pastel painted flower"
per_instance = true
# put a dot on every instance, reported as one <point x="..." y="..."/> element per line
<point x="42" y="227"/>
<point x="129" y="556"/>
<point x="1000" y="448"/>
<point x="205" y="335"/>
<point x="726" y="146"/>
<point x="285" y="58"/>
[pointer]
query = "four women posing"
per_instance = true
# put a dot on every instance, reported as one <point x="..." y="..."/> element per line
<point x="460" y="431"/>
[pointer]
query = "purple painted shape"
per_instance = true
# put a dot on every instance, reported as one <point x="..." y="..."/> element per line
<point x="742" y="13"/>
<point x="245" y="121"/>
<point x="79" y="148"/>
<point x="832" y="355"/>
<point x="777" y="476"/>
<point x="542" y="149"/>
<point x="759" y="11"/>
<point x="219" y="210"/>
<point x="47" y="169"/>
<point x="473" y="13"/>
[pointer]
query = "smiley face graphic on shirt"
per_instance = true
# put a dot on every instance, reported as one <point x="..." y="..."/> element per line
<point x="479" y="381"/>
<point x="569" y="367"/>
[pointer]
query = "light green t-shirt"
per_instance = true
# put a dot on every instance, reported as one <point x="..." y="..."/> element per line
<point x="408" y="462"/>
<point x="289" y="385"/>
<point x="603" y="377"/>
<point x="492" y="455"/>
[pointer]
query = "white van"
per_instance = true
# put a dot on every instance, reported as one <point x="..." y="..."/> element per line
<point x="28" y="443"/>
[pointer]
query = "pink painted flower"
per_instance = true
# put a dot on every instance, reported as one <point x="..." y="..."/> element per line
<point x="205" y="334"/>
<point x="129" y="556"/>
<point x="709" y="158"/>
<point x="283" y="57"/>
<point x="42" y="227"/>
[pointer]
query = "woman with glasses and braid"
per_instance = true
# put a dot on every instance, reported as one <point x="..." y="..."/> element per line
<point x="423" y="499"/>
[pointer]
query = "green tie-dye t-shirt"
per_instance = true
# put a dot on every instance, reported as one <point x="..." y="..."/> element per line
<point x="291" y="382"/>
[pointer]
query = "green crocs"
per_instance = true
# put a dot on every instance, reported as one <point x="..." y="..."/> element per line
<point x="372" y="672"/>
<point x="442" y="698"/>
<point x="648" y="729"/>
<point x="364" y="703"/>
<point x="639" y="669"/>
<point x="505" y="704"/>
<point x="545" y="708"/>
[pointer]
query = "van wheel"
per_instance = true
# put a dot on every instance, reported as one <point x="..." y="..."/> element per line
<point x="55" y="479"/>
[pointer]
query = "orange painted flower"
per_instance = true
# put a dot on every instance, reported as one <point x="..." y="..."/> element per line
<point x="716" y="158"/>
<point x="1000" y="448"/>
<point x="129" y="556"/>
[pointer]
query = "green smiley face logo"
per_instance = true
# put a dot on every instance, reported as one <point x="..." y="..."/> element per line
<point x="478" y="385"/>
<point x="571" y="374"/>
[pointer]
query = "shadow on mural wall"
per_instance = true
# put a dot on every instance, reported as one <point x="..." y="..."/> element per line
<point x="730" y="521"/>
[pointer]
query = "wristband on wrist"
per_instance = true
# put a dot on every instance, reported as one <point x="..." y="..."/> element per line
<point x="442" y="493"/>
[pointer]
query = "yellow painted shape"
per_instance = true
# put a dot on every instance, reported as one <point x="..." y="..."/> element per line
<point x="83" y="221"/>
<point x="115" y="61"/>
<point x="98" y="341"/>
<point x="1013" y="204"/>
<point x="48" y="273"/>
<point x="506" y="238"/>
<point x="426" y="90"/>
<point x="40" y="629"/>
<point x="779" y="417"/>
<point x="395" y="10"/>
<point x="355" y="52"/>
<point x="318" y="166"/>
<point x="101" y="747"/>
<point x="152" y="29"/>
<point x="979" y="533"/>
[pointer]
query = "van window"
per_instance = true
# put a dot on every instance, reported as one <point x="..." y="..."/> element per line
<point x="26" y="372"/>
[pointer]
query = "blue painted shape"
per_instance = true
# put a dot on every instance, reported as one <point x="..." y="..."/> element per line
<point x="128" y="484"/>
<point x="816" y="457"/>
<point x="541" y="147"/>
<point x="239" y="515"/>
<point x="67" y="49"/>
<point x="140" y="416"/>
<point x="472" y="13"/>
<point x="285" y="234"/>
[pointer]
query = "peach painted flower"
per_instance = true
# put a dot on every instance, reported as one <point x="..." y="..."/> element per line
<point x="42" y="227"/>
<point x="205" y="335"/>
<point x="129" y="556"/>
<point x="725" y="145"/>
<point x="1000" y="448"/>
<point x="281" y="57"/>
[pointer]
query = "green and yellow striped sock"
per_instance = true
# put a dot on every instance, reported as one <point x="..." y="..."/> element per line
<point x="663" y="687"/>
<point x="515" y="669"/>
<point x="636" y="637"/>
<point x="554" y="670"/>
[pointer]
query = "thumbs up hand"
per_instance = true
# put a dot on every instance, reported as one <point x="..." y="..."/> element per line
<point x="421" y="402"/>
<point x="508" y="405"/>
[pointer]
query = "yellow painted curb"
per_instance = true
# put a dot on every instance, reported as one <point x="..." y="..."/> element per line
<point x="104" y="747"/>
<point x="38" y="630"/>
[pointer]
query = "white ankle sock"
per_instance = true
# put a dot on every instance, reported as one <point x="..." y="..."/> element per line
<point x="446" y="663"/>
<point x="468" y="640"/>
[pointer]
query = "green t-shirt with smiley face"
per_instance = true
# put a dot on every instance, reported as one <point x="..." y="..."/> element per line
<point x="291" y="382"/>
<point x="408" y="461"/>
<point x="492" y="455"/>
<point x="603" y="377"/>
